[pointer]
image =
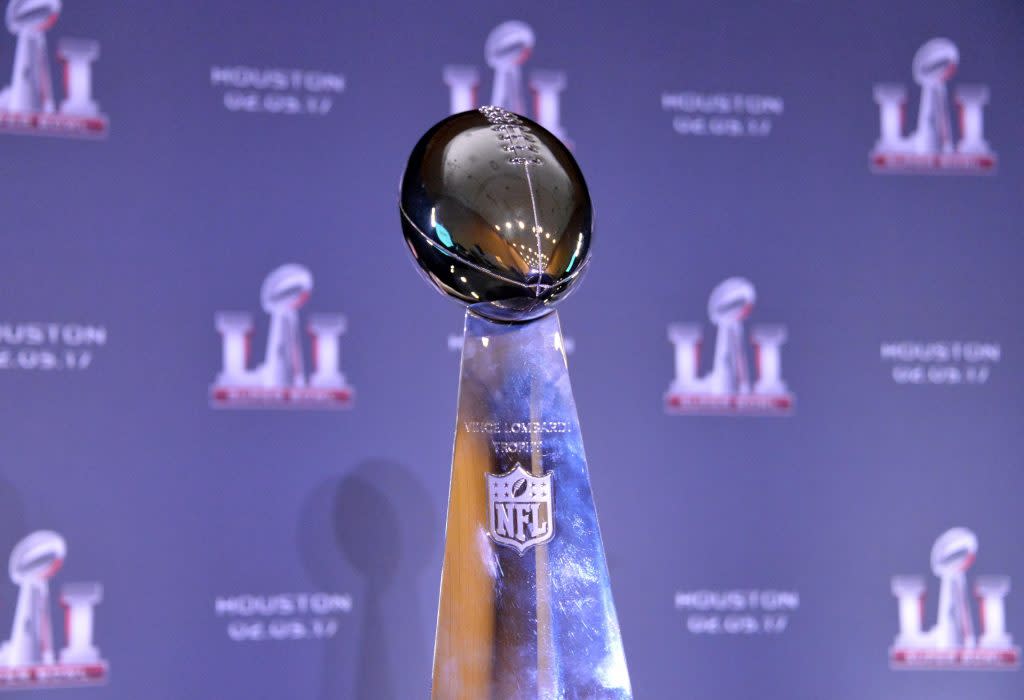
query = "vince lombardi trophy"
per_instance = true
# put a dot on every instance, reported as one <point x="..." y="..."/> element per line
<point x="496" y="213"/>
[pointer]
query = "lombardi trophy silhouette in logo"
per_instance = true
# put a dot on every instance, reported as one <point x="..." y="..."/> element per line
<point x="33" y="563"/>
<point x="931" y="147"/>
<point x="285" y="290"/>
<point x="281" y="379"/>
<point x="727" y="388"/>
<point x="951" y="642"/>
<point x="934" y="64"/>
<point x="27" y="658"/>
<point x="730" y="304"/>
<point x="27" y="104"/>
<point x="31" y="88"/>
<point x="507" y="48"/>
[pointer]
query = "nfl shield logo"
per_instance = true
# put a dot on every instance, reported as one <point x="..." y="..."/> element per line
<point x="520" y="514"/>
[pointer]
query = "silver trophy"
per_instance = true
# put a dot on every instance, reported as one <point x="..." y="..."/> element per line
<point x="497" y="215"/>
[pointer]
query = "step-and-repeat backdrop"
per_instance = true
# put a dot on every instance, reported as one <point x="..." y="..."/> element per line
<point x="227" y="398"/>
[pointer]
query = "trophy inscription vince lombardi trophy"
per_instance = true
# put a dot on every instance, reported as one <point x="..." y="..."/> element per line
<point x="497" y="215"/>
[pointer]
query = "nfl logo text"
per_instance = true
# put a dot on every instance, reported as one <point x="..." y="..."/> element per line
<point x="930" y="148"/>
<point x="27" y="658"/>
<point x="728" y="388"/>
<point x="27" y="104"/>
<point x="951" y="643"/>
<point x="507" y="48"/>
<point x="520" y="509"/>
<point x="281" y="381"/>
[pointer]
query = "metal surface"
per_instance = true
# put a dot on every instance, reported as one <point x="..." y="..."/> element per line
<point x="526" y="608"/>
<point x="497" y="214"/>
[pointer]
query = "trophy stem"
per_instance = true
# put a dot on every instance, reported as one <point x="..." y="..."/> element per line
<point x="526" y="610"/>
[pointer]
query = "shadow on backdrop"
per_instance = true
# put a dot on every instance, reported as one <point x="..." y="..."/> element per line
<point x="372" y="533"/>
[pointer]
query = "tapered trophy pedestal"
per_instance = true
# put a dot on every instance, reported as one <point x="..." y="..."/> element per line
<point x="526" y="607"/>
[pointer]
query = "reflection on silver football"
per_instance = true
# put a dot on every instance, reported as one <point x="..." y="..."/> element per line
<point x="497" y="214"/>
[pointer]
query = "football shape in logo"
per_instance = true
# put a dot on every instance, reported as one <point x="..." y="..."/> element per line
<point x="286" y="288"/>
<point x="37" y="557"/>
<point x="519" y="488"/>
<point x="32" y="15"/>
<point x="509" y="42"/>
<point x="935" y="62"/>
<point x="731" y="301"/>
<point x="954" y="552"/>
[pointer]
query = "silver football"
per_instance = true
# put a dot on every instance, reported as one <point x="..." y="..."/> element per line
<point x="496" y="213"/>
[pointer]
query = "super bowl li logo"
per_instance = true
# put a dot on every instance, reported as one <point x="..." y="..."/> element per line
<point x="506" y="50"/>
<point x="28" y="104"/>
<point x="951" y="642"/>
<point x="931" y="147"/>
<point x="281" y="381"/>
<point x="728" y="386"/>
<point x="28" y="658"/>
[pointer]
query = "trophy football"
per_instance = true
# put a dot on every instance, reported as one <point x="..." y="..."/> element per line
<point x="497" y="215"/>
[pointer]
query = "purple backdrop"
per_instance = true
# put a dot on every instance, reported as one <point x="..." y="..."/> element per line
<point x="762" y="512"/>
